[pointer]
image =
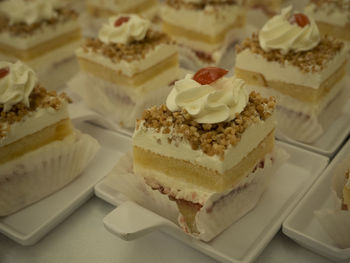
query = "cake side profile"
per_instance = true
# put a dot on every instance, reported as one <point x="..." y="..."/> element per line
<point x="204" y="159"/>
<point x="130" y="65"/>
<point x="40" y="152"/>
<point x="332" y="17"/>
<point x="304" y="71"/>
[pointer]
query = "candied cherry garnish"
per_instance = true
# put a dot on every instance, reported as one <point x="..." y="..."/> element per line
<point x="4" y="72"/>
<point x="301" y="19"/>
<point x="121" y="20"/>
<point x="209" y="75"/>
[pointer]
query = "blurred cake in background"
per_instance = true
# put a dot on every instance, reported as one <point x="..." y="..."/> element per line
<point x="43" y="34"/>
<point x="203" y="29"/>
<point x="291" y="61"/>
<point x="127" y="68"/>
<point x="269" y="7"/>
<point x="40" y="151"/>
<point x="98" y="11"/>
<point x="332" y="17"/>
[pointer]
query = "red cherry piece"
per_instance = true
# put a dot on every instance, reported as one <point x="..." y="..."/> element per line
<point x="121" y="20"/>
<point x="208" y="75"/>
<point x="4" y="72"/>
<point x="301" y="19"/>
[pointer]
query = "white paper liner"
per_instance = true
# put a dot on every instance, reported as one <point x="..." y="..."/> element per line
<point x="112" y="102"/>
<point x="335" y="221"/>
<point x="210" y="224"/>
<point x="298" y="121"/>
<point x="39" y="173"/>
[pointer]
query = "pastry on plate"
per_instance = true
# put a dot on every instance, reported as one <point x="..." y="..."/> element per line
<point x="204" y="158"/>
<point x="127" y="68"/>
<point x="43" y="34"/>
<point x="40" y="151"/>
<point x="289" y="59"/>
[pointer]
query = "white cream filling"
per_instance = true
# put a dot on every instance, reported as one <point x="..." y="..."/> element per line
<point x="117" y="6"/>
<point x="153" y="57"/>
<point x="328" y="15"/>
<point x="157" y="142"/>
<point x="45" y="34"/>
<point x="211" y="21"/>
<point x="275" y="71"/>
<point x="34" y="122"/>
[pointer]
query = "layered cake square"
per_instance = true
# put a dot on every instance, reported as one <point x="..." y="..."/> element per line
<point x="202" y="29"/>
<point x="43" y="34"/>
<point x="269" y="7"/>
<point x="40" y="151"/>
<point x="204" y="159"/>
<point x="332" y="17"/>
<point x="127" y="68"/>
<point x="291" y="61"/>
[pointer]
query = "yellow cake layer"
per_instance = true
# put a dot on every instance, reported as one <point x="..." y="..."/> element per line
<point x="180" y="32"/>
<point x="302" y="93"/>
<point x="42" y="48"/>
<point x="199" y="175"/>
<point x="117" y="78"/>
<point x="334" y="30"/>
<point x="98" y="11"/>
<point x="57" y="131"/>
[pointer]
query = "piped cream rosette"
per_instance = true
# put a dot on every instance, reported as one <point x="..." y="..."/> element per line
<point x="44" y="171"/>
<point x="336" y="221"/>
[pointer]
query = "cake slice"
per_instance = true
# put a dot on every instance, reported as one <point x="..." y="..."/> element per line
<point x="129" y="65"/>
<point x="332" y="17"/>
<point x="203" y="159"/>
<point x="40" y="152"/>
<point x="202" y="28"/>
<point x="288" y="59"/>
<point x="45" y="39"/>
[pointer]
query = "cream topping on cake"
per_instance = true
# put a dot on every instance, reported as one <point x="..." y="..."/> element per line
<point x="29" y="11"/>
<point x="124" y="29"/>
<point x="16" y="83"/>
<point x="284" y="33"/>
<point x="216" y="102"/>
<point x="330" y="12"/>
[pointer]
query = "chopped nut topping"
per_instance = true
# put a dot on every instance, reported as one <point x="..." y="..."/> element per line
<point x="343" y="5"/>
<point x="212" y="139"/>
<point x="39" y="98"/>
<point x="177" y="4"/>
<point x="22" y="29"/>
<point x="308" y="61"/>
<point x="136" y="50"/>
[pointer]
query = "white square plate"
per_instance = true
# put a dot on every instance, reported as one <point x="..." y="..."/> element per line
<point x="244" y="240"/>
<point x="30" y="224"/>
<point x="302" y="226"/>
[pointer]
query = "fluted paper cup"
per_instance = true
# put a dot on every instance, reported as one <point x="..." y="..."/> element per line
<point x="41" y="172"/>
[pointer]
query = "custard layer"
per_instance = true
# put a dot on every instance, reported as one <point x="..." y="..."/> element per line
<point x="57" y="131"/>
<point x="302" y="93"/>
<point x="198" y="175"/>
<point x="42" y="48"/>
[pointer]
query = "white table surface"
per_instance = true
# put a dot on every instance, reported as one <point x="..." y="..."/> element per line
<point x="82" y="238"/>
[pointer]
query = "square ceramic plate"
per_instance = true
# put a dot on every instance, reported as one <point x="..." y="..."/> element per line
<point x="244" y="240"/>
<point x="302" y="225"/>
<point x="29" y="225"/>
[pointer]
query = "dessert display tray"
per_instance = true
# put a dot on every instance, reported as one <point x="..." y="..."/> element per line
<point x="30" y="224"/>
<point x="245" y="239"/>
<point x="302" y="225"/>
<point x="338" y="128"/>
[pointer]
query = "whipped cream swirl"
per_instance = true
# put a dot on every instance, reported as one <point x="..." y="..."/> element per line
<point x="16" y="85"/>
<point x="134" y="29"/>
<point x="29" y="12"/>
<point x="280" y="33"/>
<point x="217" y="102"/>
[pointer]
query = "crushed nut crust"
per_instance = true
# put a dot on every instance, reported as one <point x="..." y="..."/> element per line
<point x="136" y="50"/>
<point x="178" y="4"/>
<point x="343" y="5"/>
<point x="212" y="139"/>
<point x="39" y="98"/>
<point x="22" y="29"/>
<point x="308" y="61"/>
